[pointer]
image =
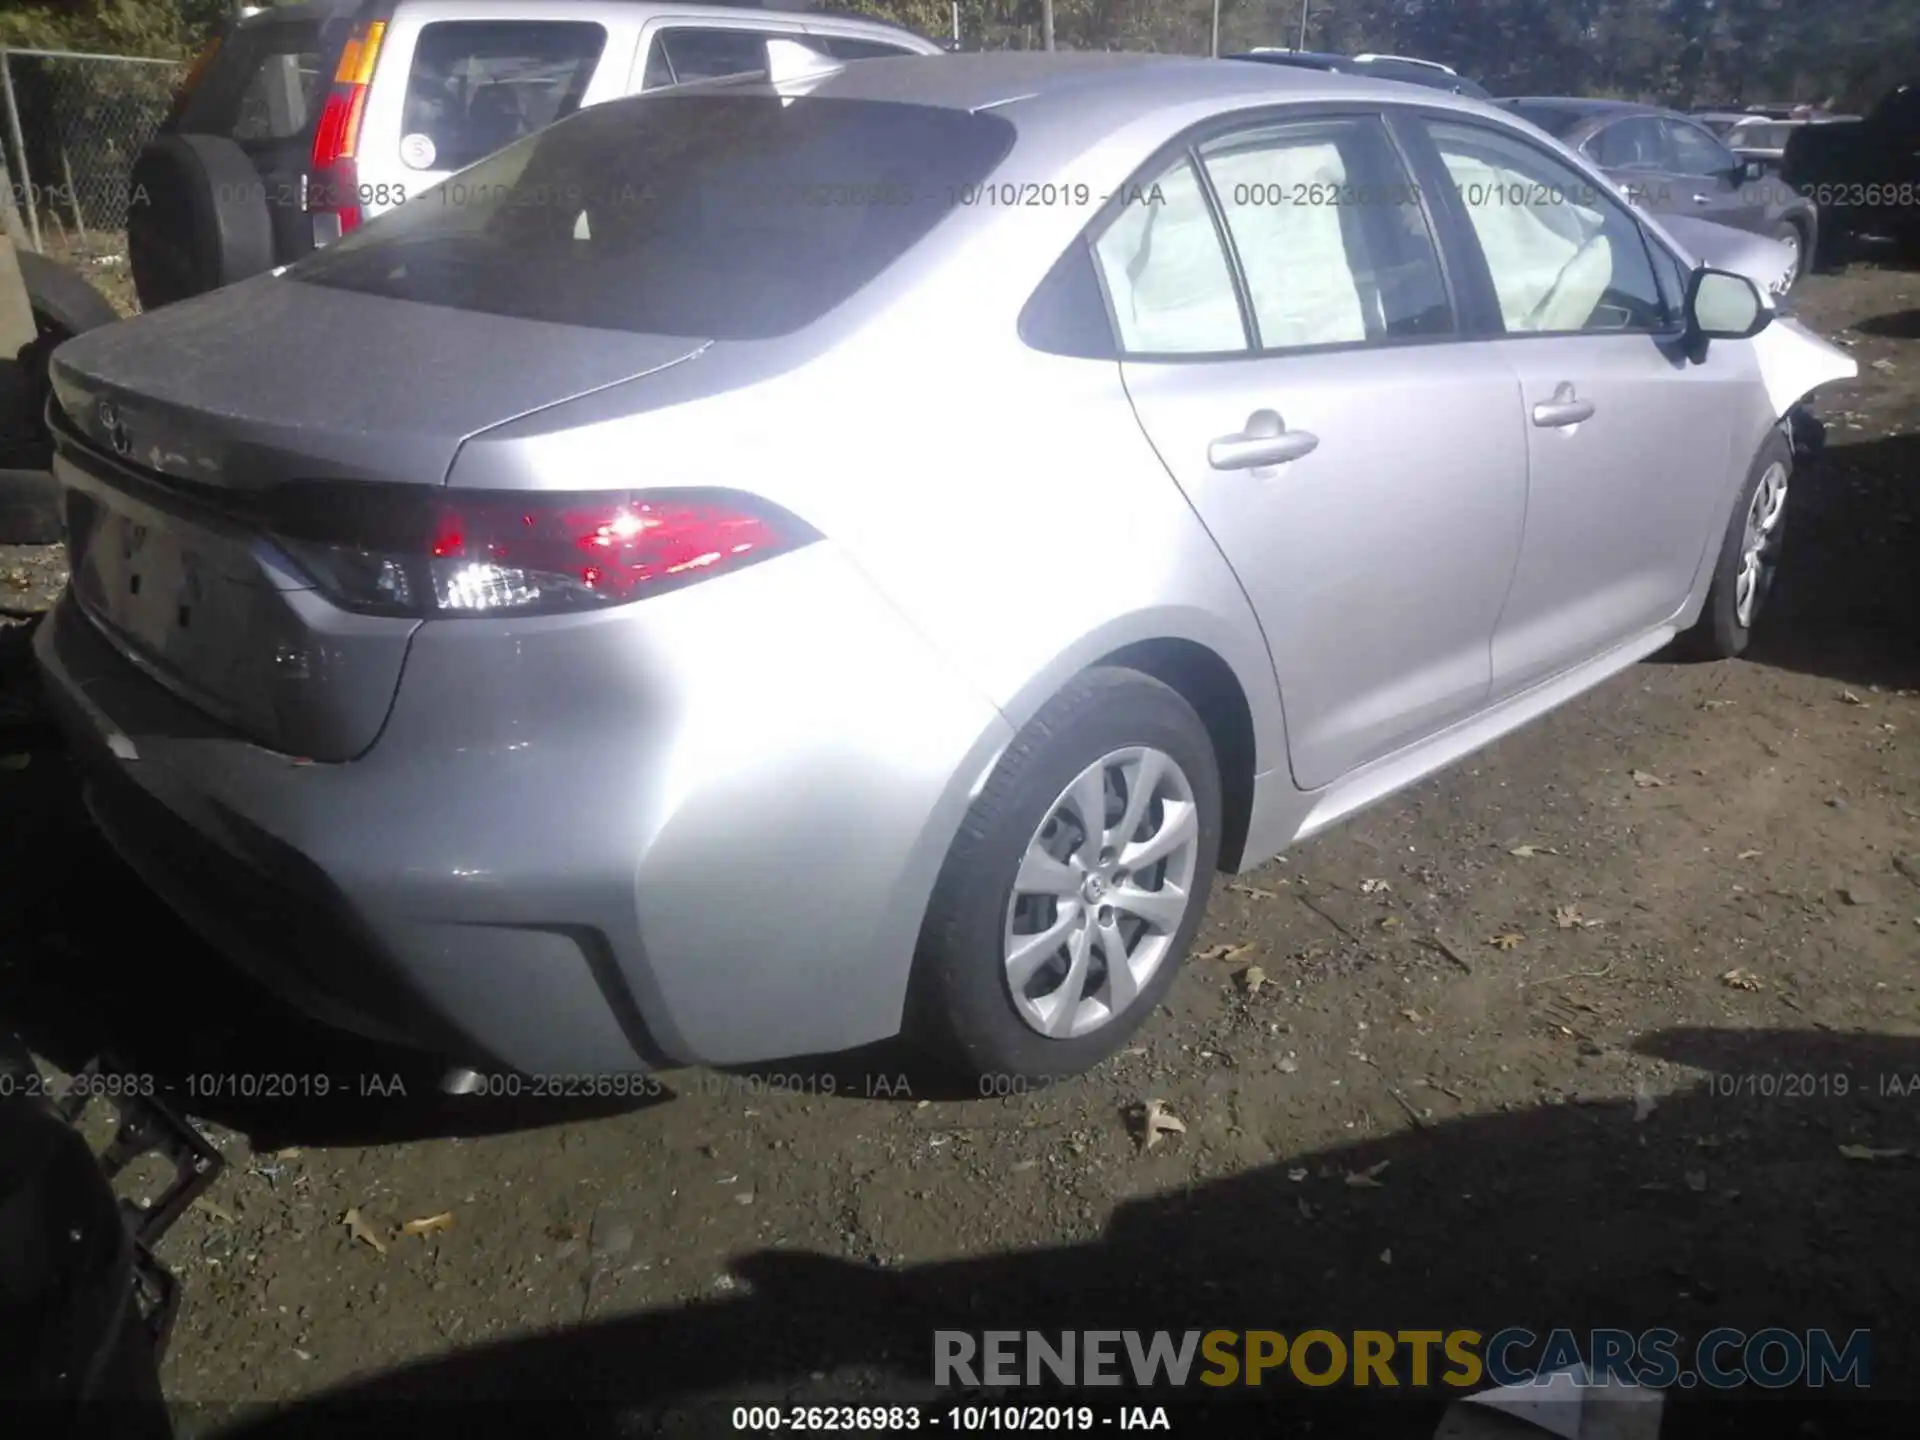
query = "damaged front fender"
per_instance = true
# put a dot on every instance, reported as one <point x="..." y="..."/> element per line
<point x="1794" y="362"/>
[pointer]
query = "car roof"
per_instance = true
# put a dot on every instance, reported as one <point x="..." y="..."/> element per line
<point x="799" y="11"/>
<point x="1105" y="80"/>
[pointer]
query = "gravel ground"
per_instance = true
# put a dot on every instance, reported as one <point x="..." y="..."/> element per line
<point x="1544" y="992"/>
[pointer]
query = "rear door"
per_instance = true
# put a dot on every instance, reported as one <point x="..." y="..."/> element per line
<point x="450" y="91"/>
<point x="1292" y="352"/>
<point x="264" y="91"/>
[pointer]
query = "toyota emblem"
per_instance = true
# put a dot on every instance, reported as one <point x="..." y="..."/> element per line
<point x="117" y="433"/>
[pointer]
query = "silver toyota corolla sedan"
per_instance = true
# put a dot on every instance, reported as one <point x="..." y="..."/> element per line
<point x="759" y="568"/>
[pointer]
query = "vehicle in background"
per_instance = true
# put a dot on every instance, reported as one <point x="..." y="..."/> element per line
<point x="306" y="120"/>
<point x="1864" y="174"/>
<point x="538" y="630"/>
<point x="1670" y="164"/>
<point x="1430" y="73"/>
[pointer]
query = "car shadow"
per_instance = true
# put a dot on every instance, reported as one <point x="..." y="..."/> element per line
<point x="1899" y="325"/>
<point x="1729" y="1202"/>
<point x="1845" y="603"/>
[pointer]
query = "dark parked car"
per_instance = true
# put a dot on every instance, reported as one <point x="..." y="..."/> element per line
<point x="1430" y="73"/>
<point x="1863" y="174"/>
<point x="1671" y="164"/>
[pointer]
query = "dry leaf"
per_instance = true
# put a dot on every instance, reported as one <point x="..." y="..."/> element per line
<point x="1740" y="980"/>
<point x="1847" y="697"/>
<point x="1252" y="891"/>
<point x="1506" y="940"/>
<point x="1647" y="780"/>
<point x="1224" y="952"/>
<point x="1527" y="852"/>
<point x="1253" y="977"/>
<point x="1867" y="1152"/>
<point x="1568" y="917"/>
<point x="1374" y="887"/>
<point x="292" y="1152"/>
<point x="206" y="1205"/>
<point x="428" y="1225"/>
<point x="1749" y="854"/>
<point x="1369" y="1178"/>
<point x="1390" y="922"/>
<point x="1412" y="1015"/>
<point x="1156" y="1120"/>
<point x="358" y="1227"/>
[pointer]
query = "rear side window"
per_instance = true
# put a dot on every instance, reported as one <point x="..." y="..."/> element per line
<point x="841" y="47"/>
<point x="266" y="84"/>
<point x="687" y="53"/>
<point x="717" y="215"/>
<point x="477" y="86"/>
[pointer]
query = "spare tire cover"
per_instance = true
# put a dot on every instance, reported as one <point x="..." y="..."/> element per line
<point x="198" y="220"/>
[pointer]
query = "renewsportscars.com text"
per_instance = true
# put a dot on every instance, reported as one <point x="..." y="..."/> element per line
<point x="1721" y="1359"/>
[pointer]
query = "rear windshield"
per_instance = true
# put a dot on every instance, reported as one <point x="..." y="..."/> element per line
<point x="267" y="83"/>
<point x="476" y="86"/>
<point x="719" y="215"/>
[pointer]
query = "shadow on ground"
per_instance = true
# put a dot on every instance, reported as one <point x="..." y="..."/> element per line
<point x="1845" y="604"/>
<point x="1730" y="1204"/>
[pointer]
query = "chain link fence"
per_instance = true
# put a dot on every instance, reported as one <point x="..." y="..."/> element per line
<point x="73" y="124"/>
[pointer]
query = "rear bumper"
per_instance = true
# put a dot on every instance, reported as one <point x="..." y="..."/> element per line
<point x="699" y="829"/>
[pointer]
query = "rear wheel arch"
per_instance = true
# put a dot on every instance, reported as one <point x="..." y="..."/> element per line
<point x="1206" y="682"/>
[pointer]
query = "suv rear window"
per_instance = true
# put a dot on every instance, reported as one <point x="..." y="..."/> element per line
<point x="724" y="216"/>
<point x="479" y="85"/>
<point x="266" y="84"/>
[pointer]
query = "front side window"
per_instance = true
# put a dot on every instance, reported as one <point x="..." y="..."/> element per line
<point x="477" y="86"/>
<point x="1564" y="257"/>
<point x="1166" y="272"/>
<point x="1331" y="235"/>
<point x="729" y="215"/>
<point x="1691" y="151"/>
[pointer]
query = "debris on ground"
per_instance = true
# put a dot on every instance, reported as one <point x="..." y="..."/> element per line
<point x="1157" y="1121"/>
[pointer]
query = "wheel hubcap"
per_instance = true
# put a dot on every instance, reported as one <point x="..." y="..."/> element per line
<point x="1103" y="886"/>
<point x="1760" y="550"/>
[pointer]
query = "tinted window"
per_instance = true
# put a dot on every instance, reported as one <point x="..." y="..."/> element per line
<point x="726" y="216"/>
<point x="1691" y="151"/>
<point x="1166" y="272"/>
<point x="479" y="85"/>
<point x="843" y="48"/>
<point x="686" y="53"/>
<point x="1330" y="235"/>
<point x="1563" y="256"/>
<point x="267" y="83"/>
<point x="1633" y="144"/>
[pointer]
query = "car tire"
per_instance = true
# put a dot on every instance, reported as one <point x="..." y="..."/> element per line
<point x="964" y="1005"/>
<point x="1790" y="234"/>
<point x="199" y="219"/>
<point x="1748" y="559"/>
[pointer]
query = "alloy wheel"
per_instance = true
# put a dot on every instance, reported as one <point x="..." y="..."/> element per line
<point x="1760" y="547"/>
<point x="1102" y="889"/>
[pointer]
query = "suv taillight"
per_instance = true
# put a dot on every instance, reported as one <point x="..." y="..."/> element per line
<point x="334" y="186"/>
<point x="400" y="550"/>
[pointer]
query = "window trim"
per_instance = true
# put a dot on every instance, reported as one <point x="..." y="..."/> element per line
<point x="1185" y="147"/>
<point x="1474" y="256"/>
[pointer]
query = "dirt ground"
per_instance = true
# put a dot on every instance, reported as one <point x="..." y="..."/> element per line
<point x="1675" y="975"/>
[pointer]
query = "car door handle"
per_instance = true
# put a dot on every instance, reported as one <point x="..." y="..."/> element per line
<point x="1565" y="408"/>
<point x="1265" y="441"/>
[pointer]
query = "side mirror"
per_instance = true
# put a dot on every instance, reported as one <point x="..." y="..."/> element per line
<point x="1724" y="306"/>
<point x="1750" y="171"/>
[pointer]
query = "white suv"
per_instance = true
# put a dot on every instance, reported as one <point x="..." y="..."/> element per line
<point x="306" y="120"/>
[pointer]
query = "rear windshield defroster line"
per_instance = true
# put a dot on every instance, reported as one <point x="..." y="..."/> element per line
<point x="729" y="217"/>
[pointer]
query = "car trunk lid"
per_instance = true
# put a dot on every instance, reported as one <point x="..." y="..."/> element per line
<point x="172" y="437"/>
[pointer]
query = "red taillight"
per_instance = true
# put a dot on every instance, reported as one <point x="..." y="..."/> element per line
<point x="334" y="187"/>
<point x="388" y="550"/>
